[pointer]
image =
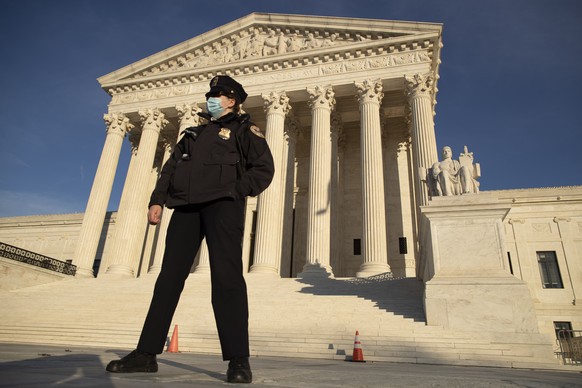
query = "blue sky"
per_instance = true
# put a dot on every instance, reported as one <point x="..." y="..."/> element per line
<point x="510" y="84"/>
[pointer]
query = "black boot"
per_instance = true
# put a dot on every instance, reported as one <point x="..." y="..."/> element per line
<point x="135" y="361"/>
<point x="239" y="371"/>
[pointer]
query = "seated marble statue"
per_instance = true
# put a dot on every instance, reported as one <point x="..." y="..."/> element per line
<point x="454" y="177"/>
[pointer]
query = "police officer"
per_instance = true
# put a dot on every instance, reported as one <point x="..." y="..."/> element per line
<point x="211" y="171"/>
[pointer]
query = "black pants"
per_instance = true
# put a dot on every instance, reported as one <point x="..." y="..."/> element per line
<point x="221" y="222"/>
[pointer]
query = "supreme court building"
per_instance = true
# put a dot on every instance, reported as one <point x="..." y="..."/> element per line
<point x="347" y="107"/>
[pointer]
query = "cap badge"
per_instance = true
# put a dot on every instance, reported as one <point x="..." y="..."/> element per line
<point x="224" y="133"/>
<point x="214" y="81"/>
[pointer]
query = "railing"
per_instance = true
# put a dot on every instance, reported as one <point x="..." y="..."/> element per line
<point x="36" y="259"/>
<point x="570" y="342"/>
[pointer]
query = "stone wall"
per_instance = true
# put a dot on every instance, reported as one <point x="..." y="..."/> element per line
<point x="53" y="235"/>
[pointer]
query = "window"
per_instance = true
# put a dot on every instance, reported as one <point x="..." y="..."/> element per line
<point x="357" y="246"/>
<point x="402" y="246"/>
<point x="509" y="260"/>
<point x="549" y="269"/>
<point x="563" y="329"/>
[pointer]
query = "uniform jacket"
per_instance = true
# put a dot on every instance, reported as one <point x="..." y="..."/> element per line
<point x="226" y="158"/>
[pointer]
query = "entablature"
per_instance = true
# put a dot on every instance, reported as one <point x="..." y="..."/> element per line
<point x="263" y="44"/>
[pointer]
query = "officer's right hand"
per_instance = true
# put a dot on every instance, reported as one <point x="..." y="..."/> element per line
<point x="154" y="214"/>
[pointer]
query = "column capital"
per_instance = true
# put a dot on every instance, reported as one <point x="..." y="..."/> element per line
<point x="276" y="103"/>
<point x="369" y="91"/>
<point x="188" y="115"/>
<point x="321" y="97"/>
<point x="117" y="123"/>
<point x="419" y="85"/>
<point x="153" y="119"/>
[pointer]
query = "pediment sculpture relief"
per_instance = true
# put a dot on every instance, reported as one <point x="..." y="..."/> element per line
<point x="255" y="42"/>
<point x="453" y="177"/>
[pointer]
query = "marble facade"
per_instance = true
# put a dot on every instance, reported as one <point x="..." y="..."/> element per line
<point x="347" y="115"/>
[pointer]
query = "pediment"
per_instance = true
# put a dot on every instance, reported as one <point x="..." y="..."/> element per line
<point x="273" y="41"/>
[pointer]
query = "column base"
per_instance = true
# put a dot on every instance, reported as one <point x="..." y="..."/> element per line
<point x="263" y="269"/>
<point x="315" y="271"/>
<point x="154" y="270"/>
<point x="84" y="273"/>
<point x="372" y="269"/>
<point x="119" y="271"/>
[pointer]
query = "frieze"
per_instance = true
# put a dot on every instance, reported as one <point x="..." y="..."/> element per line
<point x="258" y="42"/>
<point x="125" y="96"/>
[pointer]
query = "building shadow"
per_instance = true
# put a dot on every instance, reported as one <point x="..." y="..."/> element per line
<point x="55" y="370"/>
<point x="401" y="296"/>
<point x="52" y="368"/>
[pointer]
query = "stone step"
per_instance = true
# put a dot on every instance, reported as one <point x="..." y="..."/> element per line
<point x="317" y="349"/>
<point x="289" y="317"/>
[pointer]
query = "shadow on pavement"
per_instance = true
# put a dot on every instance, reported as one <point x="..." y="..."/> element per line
<point x="47" y="370"/>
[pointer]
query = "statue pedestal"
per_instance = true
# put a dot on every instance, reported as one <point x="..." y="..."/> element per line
<point x="480" y="304"/>
<point x="467" y="284"/>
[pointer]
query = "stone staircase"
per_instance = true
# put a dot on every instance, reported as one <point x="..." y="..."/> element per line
<point x="304" y="318"/>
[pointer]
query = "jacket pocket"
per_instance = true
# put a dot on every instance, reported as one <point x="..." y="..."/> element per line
<point x="180" y="181"/>
<point x="225" y="166"/>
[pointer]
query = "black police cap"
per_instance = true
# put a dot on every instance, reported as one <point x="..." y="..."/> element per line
<point x="228" y="86"/>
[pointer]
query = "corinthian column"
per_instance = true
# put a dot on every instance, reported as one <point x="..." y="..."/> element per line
<point x="321" y="101"/>
<point x="117" y="127"/>
<point x="420" y="91"/>
<point x="269" y="212"/>
<point x="375" y="250"/>
<point x="287" y="189"/>
<point x="336" y="233"/>
<point x="132" y="219"/>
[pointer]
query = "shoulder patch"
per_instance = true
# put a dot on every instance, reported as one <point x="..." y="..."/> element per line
<point x="254" y="129"/>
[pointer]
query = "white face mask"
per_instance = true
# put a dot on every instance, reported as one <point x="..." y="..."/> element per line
<point x="214" y="107"/>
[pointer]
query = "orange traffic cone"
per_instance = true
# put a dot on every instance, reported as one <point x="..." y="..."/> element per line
<point x="173" y="347"/>
<point x="358" y="355"/>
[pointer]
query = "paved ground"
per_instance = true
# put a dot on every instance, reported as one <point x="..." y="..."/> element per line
<point x="45" y="366"/>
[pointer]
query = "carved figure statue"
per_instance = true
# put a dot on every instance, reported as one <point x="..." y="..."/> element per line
<point x="454" y="177"/>
<point x="294" y="43"/>
<point x="311" y="41"/>
<point x="329" y="41"/>
<point x="256" y="45"/>
<point x="270" y="44"/>
<point x="282" y="44"/>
